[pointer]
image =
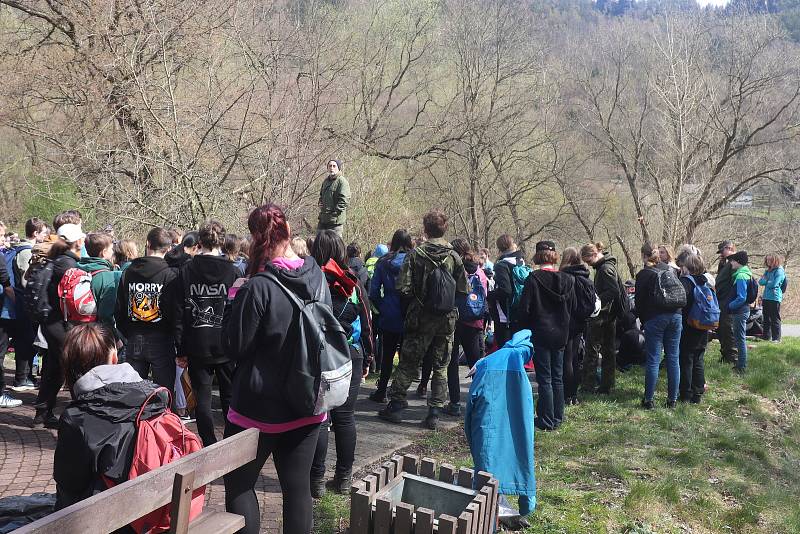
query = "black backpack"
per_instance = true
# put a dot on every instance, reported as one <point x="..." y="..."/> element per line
<point x="37" y="303"/>
<point x="318" y="377"/>
<point x="440" y="288"/>
<point x="668" y="291"/>
<point x="585" y="299"/>
<point x="752" y="290"/>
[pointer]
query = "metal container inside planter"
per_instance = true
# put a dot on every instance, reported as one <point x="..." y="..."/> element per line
<point x="404" y="496"/>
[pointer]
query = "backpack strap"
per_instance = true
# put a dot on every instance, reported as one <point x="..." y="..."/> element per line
<point x="149" y="398"/>
<point x="297" y="301"/>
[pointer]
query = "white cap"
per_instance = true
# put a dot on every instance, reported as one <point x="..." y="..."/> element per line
<point x="71" y="232"/>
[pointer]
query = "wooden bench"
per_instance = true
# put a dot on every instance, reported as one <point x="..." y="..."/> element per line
<point x="172" y="483"/>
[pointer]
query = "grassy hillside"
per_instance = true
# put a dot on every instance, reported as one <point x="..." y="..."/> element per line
<point x="730" y="464"/>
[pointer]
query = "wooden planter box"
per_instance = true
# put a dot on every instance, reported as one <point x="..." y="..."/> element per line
<point x="405" y="496"/>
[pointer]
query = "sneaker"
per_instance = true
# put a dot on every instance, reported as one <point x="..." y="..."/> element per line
<point x="7" y="401"/>
<point x="696" y="399"/>
<point x="186" y="419"/>
<point x="317" y="488"/>
<point x="378" y="396"/>
<point x="26" y="385"/>
<point x="50" y="421"/>
<point x="393" y="412"/>
<point x="670" y="404"/>
<point x="648" y="404"/>
<point x="432" y="421"/>
<point x="340" y="484"/>
<point x="453" y="409"/>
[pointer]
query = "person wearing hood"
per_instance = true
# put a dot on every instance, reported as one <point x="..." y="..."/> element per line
<point x="502" y="297"/>
<point x="603" y="328"/>
<point x="180" y="255"/>
<point x="387" y="300"/>
<point x="97" y="431"/>
<point x="64" y="253"/>
<point x="356" y="264"/>
<point x="201" y="291"/>
<point x="380" y="251"/>
<point x="100" y="250"/>
<point x="262" y="339"/>
<point x="662" y="327"/>
<point x="351" y="307"/>
<point x="547" y="304"/>
<point x="469" y="327"/>
<point x="142" y="315"/>
<point x="334" y="196"/>
<point x="738" y="306"/>
<point x="430" y="319"/>
<point x="571" y="264"/>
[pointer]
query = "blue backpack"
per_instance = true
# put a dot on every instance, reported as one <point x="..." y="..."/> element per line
<point x="473" y="306"/>
<point x="13" y="310"/>
<point x="704" y="313"/>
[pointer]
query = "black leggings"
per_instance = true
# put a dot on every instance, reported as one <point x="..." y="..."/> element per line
<point x="52" y="368"/>
<point x="572" y="366"/>
<point x="772" y="320"/>
<point x="292" y="452"/>
<point x="469" y="338"/>
<point x="343" y="420"/>
<point x="202" y="377"/>
<point x="390" y="345"/>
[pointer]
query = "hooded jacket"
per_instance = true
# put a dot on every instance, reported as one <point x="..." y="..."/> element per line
<point x="140" y="305"/>
<point x="260" y="336"/>
<point x="546" y="305"/>
<point x="646" y="281"/>
<point x="104" y="287"/>
<point x="177" y="257"/>
<point x="334" y="196"/>
<point x="61" y="265"/>
<point x="581" y="274"/>
<point x="772" y="280"/>
<point x="358" y="268"/>
<point x="350" y="305"/>
<point x="608" y="284"/>
<point x="499" y="418"/>
<point x="504" y="283"/>
<point x="413" y="277"/>
<point x="201" y="292"/>
<point x="97" y="431"/>
<point x="741" y="278"/>
<point x="384" y="295"/>
<point x="723" y="284"/>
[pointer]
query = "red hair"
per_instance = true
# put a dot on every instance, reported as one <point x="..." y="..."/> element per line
<point x="269" y="229"/>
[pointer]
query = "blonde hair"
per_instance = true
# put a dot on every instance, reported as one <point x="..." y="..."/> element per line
<point x="694" y="265"/>
<point x="590" y="249"/>
<point x="773" y="260"/>
<point x="300" y="247"/>
<point x="668" y="250"/>
<point x="570" y="256"/>
<point x="125" y="250"/>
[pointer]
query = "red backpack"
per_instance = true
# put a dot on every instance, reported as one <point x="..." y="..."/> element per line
<point x="161" y="440"/>
<point x="75" y="296"/>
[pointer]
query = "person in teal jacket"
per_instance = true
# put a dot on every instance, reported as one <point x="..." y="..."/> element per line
<point x="499" y="420"/>
<point x="100" y="250"/>
<point x="738" y="306"/>
<point x="774" y="282"/>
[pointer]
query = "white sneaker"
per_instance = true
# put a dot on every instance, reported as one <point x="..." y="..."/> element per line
<point x="7" y="401"/>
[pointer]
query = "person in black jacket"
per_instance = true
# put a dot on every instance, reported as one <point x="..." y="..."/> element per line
<point x="662" y="329"/>
<point x="603" y="328"/>
<point x="6" y="400"/>
<point x="201" y="293"/>
<point x="97" y="431"/>
<point x="142" y="316"/>
<point x="351" y="306"/>
<point x="182" y="254"/>
<point x="502" y="295"/>
<point x="693" y="341"/>
<point x="65" y="254"/>
<point x="571" y="264"/>
<point x="547" y="303"/>
<point x="261" y="336"/>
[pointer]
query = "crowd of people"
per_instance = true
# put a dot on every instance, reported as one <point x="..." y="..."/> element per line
<point x="115" y="326"/>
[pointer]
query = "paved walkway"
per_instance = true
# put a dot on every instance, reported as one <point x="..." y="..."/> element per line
<point x="26" y="454"/>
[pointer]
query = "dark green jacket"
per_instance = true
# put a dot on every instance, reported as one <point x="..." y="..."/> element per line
<point x="104" y="287"/>
<point x="723" y="285"/>
<point x="415" y="270"/>
<point x="608" y="284"/>
<point x="333" y="199"/>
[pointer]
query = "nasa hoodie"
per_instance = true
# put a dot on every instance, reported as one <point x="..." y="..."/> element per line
<point x="202" y="292"/>
<point x="143" y="289"/>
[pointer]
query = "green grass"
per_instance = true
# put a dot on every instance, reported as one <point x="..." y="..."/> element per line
<point x="730" y="464"/>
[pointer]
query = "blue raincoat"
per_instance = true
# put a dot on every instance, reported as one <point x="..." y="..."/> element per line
<point x="499" y="419"/>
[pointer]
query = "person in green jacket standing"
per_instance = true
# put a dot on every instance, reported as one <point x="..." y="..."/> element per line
<point x="100" y="250"/>
<point x="334" y="196"/>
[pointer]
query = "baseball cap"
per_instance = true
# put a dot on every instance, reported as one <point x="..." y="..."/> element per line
<point x="70" y="233"/>
<point x="545" y="245"/>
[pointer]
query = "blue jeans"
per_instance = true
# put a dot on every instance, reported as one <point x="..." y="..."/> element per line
<point x="549" y="365"/>
<point x="662" y="332"/>
<point x="739" y="320"/>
